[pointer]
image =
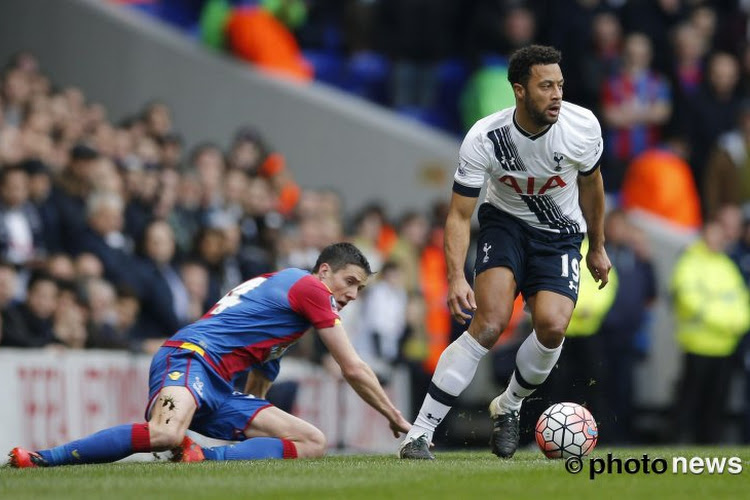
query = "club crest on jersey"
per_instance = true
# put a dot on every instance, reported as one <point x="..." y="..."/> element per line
<point x="198" y="386"/>
<point x="462" y="168"/>
<point x="558" y="157"/>
<point x="334" y="305"/>
<point x="531" y="184"/>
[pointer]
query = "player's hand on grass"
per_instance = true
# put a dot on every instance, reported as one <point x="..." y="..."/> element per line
<point x="599" y="265"/>
<point x="399" y="424"/>
<point x="461" y="299"/>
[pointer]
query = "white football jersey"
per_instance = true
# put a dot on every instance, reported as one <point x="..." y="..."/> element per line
<point x="532" y="177"/>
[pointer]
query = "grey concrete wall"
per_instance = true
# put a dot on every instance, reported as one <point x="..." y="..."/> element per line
<point x="123" y="59"/>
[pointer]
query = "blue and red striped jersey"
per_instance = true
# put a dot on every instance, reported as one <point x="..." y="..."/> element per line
<point x="254" y="324"/>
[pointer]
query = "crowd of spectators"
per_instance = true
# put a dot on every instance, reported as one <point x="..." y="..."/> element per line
<point x="663" y="74"/>
<point x="113" y="236"/>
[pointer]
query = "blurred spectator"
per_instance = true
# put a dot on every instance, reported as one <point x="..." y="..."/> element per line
<point x="195" y="277"/>
<point x="104" y="238"/>
<point x="367" y="226"/>
<point x="101" y="300"/>
<point x="60" y="266"/>
<point x="248" y="151"/>
<point x="635" y="103"/>
<point x="255" y="35"/>
<point x="157" y="120"/>
<point x="434" y="288"/>
<point x="236" y="183"/>
<point x="70" y="193"/>
<point x="30" y="323"/>
<point x="727" y="178"/>
<point x="712" y="315"/>
<point x="659" y="182"/>
<point x="8" y="285"/>
<point x="626" y="322"/>
<point x="601" y="59"/>
<point x="21" y="230"/>
<point x="383" y="321"/>
<point x="164" y="299"/>
<point x="569" y="26"/>
<point x="729" y="217"/>
<point x="713" y="110"/>
<point x="740" y="253"/>
<point x="208" y="162"/>
<point x="654" y="18"/>
<point x="128" y="309"/>
<point x="686" y="72"/>
<point x="40" y="195"/>
<point x="498" y="28"/>
<point x="171" y="151"/>
<point x="87" y="265"/>
<point x="210" y="246"/>
<point x="412" y="237"/>
<point x="419" y="34"/>
<point x="306" y="245"/>
<point x="70" y="317"/>
<point x="260" y="225"/>
<point x="16" y="92"/>
<point x="186" y="217"/>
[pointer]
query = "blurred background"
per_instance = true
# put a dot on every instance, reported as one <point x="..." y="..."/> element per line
<point x="154" y="154"/>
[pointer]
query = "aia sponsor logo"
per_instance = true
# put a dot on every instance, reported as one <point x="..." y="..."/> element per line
<point x="532" y="185"/>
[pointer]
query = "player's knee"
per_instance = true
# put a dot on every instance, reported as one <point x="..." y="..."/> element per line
<point x="164" y="437"/>
<point x="486" y="329"/>
<point x="550" y="331"/>
<point x="312" y="445"/>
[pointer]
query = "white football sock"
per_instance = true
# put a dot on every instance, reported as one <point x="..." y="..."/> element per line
<point x="534" y="362"/>
<point x="455" y="370"/>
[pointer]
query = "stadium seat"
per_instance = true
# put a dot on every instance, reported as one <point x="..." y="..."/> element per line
<point x="329" y="67"/>
<point x="366" y="76"/>
<point x="432" y="117"/>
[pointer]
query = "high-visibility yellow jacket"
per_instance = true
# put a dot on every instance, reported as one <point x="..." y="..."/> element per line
<point x="593" y="304"/>
<point x="711" y="302"/>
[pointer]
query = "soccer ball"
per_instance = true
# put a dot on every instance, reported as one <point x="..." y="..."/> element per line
<point x="566" y="430"/>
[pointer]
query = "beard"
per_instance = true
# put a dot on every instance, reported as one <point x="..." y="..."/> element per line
<point x="538" y="115"/>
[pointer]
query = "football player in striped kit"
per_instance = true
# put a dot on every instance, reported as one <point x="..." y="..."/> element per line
<point x="544" y="191"/>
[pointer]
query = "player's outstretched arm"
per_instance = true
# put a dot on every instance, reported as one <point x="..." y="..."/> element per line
<point x="591" y="189"/>
<point x="361" y="377"/>
<point x="457" y="232"/>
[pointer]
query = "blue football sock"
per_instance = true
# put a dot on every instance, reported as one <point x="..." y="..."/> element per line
<point x="251" y="449"/>
<point x="108" y="445"/>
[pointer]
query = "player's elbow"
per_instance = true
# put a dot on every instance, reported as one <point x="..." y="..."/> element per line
<point x="355" y="371"/>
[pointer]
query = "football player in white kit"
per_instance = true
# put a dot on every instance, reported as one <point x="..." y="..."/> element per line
<point x="544" y="191"/>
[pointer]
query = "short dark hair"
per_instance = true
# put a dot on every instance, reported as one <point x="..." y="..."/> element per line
<point x="11" y="169"/>
<point x="39" y="276"/>
<point x="519" y="67"/>
<point x="340" y="255"/>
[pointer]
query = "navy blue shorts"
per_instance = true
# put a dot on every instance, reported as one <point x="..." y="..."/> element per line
<point x="540" y="260"/>
<point x="222" y="412"/>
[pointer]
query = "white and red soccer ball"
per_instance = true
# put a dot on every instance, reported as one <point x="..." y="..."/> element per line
<point x="566" y="430"/>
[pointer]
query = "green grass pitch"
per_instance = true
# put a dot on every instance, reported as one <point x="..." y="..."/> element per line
<point x="454" y="475"/>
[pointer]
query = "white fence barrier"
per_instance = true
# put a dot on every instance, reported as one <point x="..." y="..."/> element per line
<point x="49" y="398"/>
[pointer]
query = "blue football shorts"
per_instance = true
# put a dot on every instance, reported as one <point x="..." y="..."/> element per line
<point x="540" y="260"/>
<point x="222" y="412"/>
